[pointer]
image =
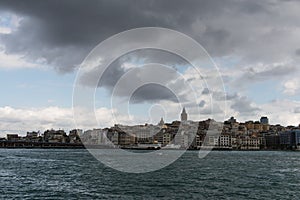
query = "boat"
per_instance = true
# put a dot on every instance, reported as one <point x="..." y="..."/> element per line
<point x="172" y="146"/>
<point x="143" y="147"/>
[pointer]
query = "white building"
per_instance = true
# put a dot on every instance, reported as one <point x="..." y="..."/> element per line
<point x="250" y="143"/>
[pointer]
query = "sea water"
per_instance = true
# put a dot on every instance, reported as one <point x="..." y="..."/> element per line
<point x="76" y="174"/>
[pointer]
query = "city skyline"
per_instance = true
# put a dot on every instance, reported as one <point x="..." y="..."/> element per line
<point x="183" y="117"/>
<point x="183" y="134"/>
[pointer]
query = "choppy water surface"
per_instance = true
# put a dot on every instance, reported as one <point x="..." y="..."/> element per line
<point x="75" y="174"/>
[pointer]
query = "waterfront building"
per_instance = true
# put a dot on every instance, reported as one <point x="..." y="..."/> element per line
<point x="126" y="139"/>
<point x="224" y="141"/>
<point x="234" y="144"/>
<point x="182" y="139"/>
<point x="57" y="136"/>
<point x="158" y="137"/>
<point x="290" y="139"/>
<point x="74" y="136"/>
<point x="167" y="138"/>
<point x="262" y="141"/>
<point x="185" y="142"/>
<point x="33" y="136"/>
<point x="12" y="137"/>
<point x="197" y="142"/>
<point x="213" y="140"/>
<point x="90" y="137"/>
<point x="249" y="143"/>
<point x="144" y="133"/>
<point x="115" y="138"/>
<point x="95" y="136"/>
<point x="272" y="141"/>
<point x="186" y="135"/>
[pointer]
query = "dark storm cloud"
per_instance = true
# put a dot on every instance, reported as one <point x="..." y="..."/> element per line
<point x="152" y="93"/>
<point x="63" y="32"/>
<point x="150" y="83"/>
<point x="251" y="75"/>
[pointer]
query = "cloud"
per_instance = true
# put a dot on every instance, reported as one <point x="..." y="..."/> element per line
<point x="297" y="110"/>
<point x="202" y="103"/>
<point x="5" y="30"/>
<point x="20" y="120"/>
<point x="64" y="34"/>
<point x="292" y="87"/>
<point x="297" y="52"/>
<point x="220" y="95"/>
<point x="263" y="44"/>
<point x="261" y="72"/>
<point x="15" y="61"/>
<point x="244" y="105"/>
<point x="145" y="70"/>
<point x="273" y="71"/>
<point x="64" y="37"/>
<point x="152" y="93"/>
<point x="282" y="111"/>
<point x="131" y="60"/>
<point x="223" y="96"/>
<point x="211" y="110"/>
<point x="34" y="119"/>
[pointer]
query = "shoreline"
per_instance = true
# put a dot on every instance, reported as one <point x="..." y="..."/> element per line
<point x="49" y="145"/>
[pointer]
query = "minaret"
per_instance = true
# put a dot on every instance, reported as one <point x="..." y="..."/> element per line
<point x="183" y="115"/>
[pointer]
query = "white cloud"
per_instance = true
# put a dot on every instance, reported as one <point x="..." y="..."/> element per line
<point x="21" y="120"/>
<point x="14" y="61"/>
<point x="5" y="30"/>
<point x="282" y="112"/>
<point x="291" y="87"/>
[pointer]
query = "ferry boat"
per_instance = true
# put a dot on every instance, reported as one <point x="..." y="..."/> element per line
<point x="143" y="147"/>
<point x="172" y="146"/>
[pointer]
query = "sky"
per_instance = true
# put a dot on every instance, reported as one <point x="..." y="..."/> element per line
<point x="254" y="44"/>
